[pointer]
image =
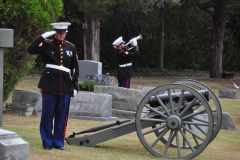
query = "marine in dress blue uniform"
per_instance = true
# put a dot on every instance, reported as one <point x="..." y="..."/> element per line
<point x="125" y="56"/>
<point x="59" y="81"/>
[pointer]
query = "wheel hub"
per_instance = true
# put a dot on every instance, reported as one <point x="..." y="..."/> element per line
<point x="174" y="122"/>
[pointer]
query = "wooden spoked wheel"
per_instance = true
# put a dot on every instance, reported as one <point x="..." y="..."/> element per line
<point x="213" y="102"/>
<point x="177" y="120"/>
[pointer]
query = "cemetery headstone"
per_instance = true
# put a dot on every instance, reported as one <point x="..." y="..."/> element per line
<point x="22" y="99"/>
<point x="87" y="67"/>
<point x="91" y="106"/>
<point x="124" y="101"/>
<point x="11" y="145"/>
<point x="102" y="79"/>
<point x="228" y="93"/>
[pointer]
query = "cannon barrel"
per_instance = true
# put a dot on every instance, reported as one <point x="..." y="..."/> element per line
<point x="153" y="102"/>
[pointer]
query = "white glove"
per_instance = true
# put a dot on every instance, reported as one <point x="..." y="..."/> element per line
<point x="134" y="42"/>
<point x="48" y="34"/>
<point x="74" y="92"/>
<point x="131" y="42"/>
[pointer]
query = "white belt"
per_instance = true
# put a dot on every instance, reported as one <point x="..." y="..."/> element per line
<point x="125" y="65"/>
<point x="62" y="68"/>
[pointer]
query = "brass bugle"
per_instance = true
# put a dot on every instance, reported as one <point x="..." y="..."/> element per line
<point x="128" y="45"/>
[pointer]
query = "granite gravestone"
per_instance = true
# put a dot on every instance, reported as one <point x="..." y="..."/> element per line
<point x="125" y="101"/>
<point x="102" y="79"/>
<point x="91" y="106"/>
<point x="11" y="145"/>
<point x="6" y="40"/>
<point x="87" y="67"/>
<point x="228" y="93"/>
<point x="22" y="100"/>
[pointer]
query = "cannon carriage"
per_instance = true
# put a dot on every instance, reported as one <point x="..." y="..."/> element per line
<point x="175" y="121"/>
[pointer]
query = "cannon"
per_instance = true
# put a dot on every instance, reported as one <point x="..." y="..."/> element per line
<point x="175" y="121"/>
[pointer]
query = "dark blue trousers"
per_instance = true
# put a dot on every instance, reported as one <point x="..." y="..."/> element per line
<point x="124" y="83"/>
<point x="54" y="118"/>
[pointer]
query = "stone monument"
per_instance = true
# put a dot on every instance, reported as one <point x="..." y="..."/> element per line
<point x="91" y="106"/>
<point x="87" y="67"/>
<point x="11" y="145"/>
<point x="228" y="93"/>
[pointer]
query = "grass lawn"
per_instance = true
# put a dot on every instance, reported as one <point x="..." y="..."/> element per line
<point x="225" y="146"/>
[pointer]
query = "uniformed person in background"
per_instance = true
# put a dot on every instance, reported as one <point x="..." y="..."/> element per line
<point x="59" y="81"/>
<point x="125" y="56"/>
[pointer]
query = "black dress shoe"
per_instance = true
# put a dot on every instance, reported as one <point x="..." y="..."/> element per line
<point x="60" y="148"/>
<point x="47" y="148"/>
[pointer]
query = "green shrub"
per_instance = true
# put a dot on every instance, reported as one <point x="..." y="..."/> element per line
<point x="28" y="19"/>
<point x="88" y="85"/>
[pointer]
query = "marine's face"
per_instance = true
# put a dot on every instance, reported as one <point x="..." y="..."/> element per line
<point x="120" y="46"/>
<point x="60" y="36"/>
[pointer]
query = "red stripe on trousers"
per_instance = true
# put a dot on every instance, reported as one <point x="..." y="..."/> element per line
<point x="127" y="81"/>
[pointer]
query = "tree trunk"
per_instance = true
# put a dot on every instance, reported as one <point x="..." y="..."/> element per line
<point x="91" y="39"/>
<point x="216" y="48"/>
<point x="162" y="41"/>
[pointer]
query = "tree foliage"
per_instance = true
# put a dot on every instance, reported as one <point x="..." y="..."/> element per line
<point x="28" y="19"/>
<point x="232" y="41"/>
<point x="94" y="11"/>
<point x="97" y="9"/>
<point x="187" y="33"/>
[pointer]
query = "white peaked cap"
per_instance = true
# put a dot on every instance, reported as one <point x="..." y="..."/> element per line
<point x="60" y="26"/>
<point x="118" y="41"/>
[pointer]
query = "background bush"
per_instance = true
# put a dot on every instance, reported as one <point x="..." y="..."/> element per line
<point x="88" y="85"/>
<point x="28" y="19"/>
